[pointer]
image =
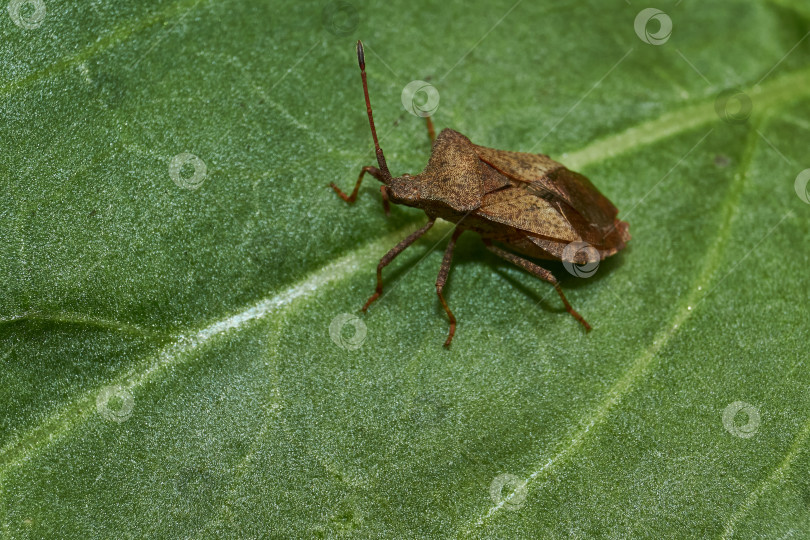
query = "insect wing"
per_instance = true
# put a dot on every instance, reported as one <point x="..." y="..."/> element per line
<point x="588" y="211"/>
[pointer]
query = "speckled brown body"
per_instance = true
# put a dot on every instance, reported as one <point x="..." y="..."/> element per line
<point x="526" y="203"/>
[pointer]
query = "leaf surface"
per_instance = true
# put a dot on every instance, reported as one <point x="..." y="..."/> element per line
<point x="166" y="363"/>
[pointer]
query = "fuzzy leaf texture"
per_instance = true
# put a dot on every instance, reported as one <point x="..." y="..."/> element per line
<point x="172" y="259"/>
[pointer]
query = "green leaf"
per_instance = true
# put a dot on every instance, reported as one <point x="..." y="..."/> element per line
<point x="172" y="259"/>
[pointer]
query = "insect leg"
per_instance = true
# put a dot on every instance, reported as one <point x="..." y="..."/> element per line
<point x="431" y="129"/>
<point x="384" y="193"/>
<point x="396" y="250"/>
<point x="373" y="171"/>
<point x="540" y="272"/>
<point x="442" y="279"/>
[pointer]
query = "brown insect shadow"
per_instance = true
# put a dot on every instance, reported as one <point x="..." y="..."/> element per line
<point x="470" y="250"/>
<point x="519" y="204"/>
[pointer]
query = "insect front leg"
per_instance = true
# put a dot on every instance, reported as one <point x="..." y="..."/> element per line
<point x="540" y="272"/>
<point x="388" y="257"/>
<point x="373" y="171"/>
<point x="444" y="271"/>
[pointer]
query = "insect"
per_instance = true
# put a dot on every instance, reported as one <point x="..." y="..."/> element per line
<point x="527" y="203"/>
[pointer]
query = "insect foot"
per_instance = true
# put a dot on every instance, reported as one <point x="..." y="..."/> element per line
<point x="520" y="204"/>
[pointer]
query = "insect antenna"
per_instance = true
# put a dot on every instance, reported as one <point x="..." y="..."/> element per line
<point x="380" y="157"/>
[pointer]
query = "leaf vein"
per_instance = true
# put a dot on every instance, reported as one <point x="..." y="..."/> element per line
<point x="777" y="477"/>
<point x="81" y="319"/>
<point x="644" y="363"/>
<point x="23" y="448"/>
<point x="117" y="37"/>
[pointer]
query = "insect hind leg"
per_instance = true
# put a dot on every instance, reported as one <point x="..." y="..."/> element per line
<point x="540" y="272"/>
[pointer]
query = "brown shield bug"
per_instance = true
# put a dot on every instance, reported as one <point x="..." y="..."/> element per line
<point x="527" y="203"/>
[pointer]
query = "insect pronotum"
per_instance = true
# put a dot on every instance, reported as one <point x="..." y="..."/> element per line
<point x="527" y="203"/>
